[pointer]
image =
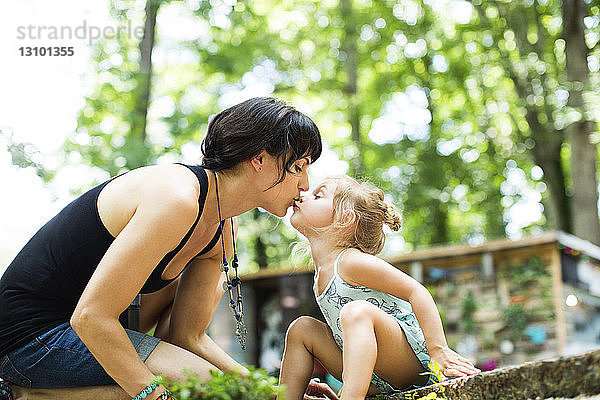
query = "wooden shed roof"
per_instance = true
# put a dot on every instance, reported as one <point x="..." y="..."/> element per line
<point x="453" y="254"/>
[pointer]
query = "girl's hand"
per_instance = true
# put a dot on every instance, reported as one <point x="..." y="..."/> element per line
<point x="316" y="388"/>
<point x="452" y="364"/>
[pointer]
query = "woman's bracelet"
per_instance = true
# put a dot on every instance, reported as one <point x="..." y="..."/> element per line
<point x="166" y="395"/>
<point x="150" y="388"/>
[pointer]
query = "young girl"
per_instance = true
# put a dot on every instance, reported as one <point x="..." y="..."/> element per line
<point x="382" y="325"/>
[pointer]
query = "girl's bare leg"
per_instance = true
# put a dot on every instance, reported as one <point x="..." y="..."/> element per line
<point x="306" y="339"/>
<point x="373" y="340"/>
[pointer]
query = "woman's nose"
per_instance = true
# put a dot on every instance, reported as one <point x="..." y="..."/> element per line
<point x="303" y="184"/>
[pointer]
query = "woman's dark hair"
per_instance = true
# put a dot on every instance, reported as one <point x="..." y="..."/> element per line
<point x="241" y="132"/>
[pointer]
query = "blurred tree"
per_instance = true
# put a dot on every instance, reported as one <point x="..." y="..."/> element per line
<point x="527" y="57"/>
<point x="112" y="126"/>
<point x="532" y="43"/>
<point x="349" y="47"/>
<point x="583" y="153"/>
<point x="442" y="109"/>
<point x="144" y="75"/>
<point x="351" y="68"/>
<point x="26" y="155"/>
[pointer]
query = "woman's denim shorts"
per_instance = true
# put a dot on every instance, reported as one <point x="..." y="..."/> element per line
<point x="59" y="359"/>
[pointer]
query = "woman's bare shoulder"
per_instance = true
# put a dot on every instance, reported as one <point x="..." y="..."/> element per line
<point x="157" y="182"/>
<point x="169" y="180"/>
<point x="153" y="187"/>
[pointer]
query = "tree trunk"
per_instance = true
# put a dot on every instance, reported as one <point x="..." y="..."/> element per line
<point x="439" y="219"/>
<point x="546" y="154"/>
<point x="357" y="168"/>
<point x="548" y="140"/>
<point x="260" y="250"/>
<point x="144" y="75"/>
<point x="583" y="153"/>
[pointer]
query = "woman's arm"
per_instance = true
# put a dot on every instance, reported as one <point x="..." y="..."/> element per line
<point x="198" y="294"/>
<point x="153" y="230"/>
<point x="359" y="268"/>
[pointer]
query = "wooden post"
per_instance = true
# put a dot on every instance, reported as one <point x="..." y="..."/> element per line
<point x="557" y="294"/>
<point x="487" y="266"/>
<point x="416" y="270"/>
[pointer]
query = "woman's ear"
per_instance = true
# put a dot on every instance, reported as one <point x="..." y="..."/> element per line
<point x="258" y="161"/>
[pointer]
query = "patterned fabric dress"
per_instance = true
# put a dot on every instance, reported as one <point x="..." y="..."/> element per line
<point x="339" y="293"/>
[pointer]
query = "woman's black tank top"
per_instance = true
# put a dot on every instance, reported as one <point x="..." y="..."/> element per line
<point x="41" y="287"/>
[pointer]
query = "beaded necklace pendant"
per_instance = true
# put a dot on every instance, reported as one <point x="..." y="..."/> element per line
<point x="241" y="332"/>
<point x="232" y="286"/>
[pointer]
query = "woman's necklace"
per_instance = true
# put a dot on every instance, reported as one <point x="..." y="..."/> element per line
<point x="233" y="286"/>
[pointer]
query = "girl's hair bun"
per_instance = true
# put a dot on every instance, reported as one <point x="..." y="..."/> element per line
<point x="367" y="203"/>
<point x="392" y="217"/>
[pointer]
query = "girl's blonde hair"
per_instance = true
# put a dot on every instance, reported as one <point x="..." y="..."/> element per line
<point x="360" y="211"/>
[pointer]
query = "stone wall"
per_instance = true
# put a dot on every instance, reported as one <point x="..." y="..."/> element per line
<point x="499" y="319"/>
<point x="565" y="377"/>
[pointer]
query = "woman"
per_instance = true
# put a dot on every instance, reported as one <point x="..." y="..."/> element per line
<point x="156" y="231"/>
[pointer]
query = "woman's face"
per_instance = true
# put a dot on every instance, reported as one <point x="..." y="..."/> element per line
<point x="314" y="210"/>
<point x="283" y="195"/>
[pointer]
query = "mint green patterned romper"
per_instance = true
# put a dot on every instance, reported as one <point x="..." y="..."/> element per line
<point x="339" y="293"/>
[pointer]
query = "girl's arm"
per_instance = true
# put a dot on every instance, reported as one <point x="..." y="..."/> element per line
<point x="198" y="295"/>
<point x="153" y="230"/>
<point x="358" y="268"/>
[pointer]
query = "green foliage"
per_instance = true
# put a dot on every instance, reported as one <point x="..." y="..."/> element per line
<point x="533" y="270"/>
<point x="487" y="85"/>
<point x="435" y="371"/>
<point x="468" y="307"/>
<point x="533" y="280"/>
<point x="516" y="318"/>
<point x="437" y="376"/>
<point x="105" y="135"/>
<point x="25" y="155"/>
<point x="265" y="240"/>
<point x="227" y="386"/>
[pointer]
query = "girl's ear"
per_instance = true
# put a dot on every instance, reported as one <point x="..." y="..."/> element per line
<point x="347" y="218"/>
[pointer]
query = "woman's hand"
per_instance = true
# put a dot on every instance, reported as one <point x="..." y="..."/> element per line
<point x="451" y="363"/>
<point x="319" y="389"/>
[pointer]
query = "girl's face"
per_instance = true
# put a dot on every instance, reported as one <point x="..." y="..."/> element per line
<point x="282" y="196"/>
<point x="314" y="210"/>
